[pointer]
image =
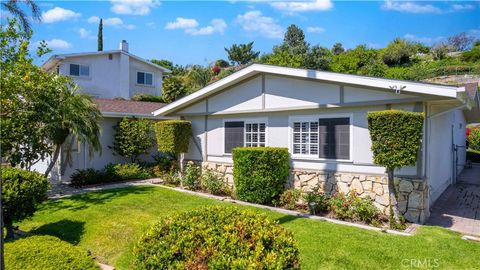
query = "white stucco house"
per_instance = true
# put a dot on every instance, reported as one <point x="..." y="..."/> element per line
<point x="321" y="118"/>
<point x="111" y="78"/>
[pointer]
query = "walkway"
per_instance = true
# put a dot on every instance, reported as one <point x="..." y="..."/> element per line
<point x="458" y="208"/>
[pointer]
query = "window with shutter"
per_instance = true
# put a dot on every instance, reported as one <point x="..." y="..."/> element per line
<point x="233" y="135"/>
<point x="334" y="138"/>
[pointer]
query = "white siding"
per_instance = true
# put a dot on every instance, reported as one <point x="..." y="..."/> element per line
<point x="355" y="94"/>
<point x="155" y="89"/>
<point x="245" y="96"/>
<point x="282" y="92"/>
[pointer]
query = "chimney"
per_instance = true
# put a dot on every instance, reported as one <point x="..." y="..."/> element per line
<point x="124" y="46"/>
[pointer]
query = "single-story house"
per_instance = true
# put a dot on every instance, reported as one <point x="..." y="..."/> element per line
<point x="321" y="118"/>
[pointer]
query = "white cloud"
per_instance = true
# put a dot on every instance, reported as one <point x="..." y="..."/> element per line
<point x="115" y="21"/>
<point x="151" y="25"/>
<point x="254" y="21"/>
<point x="410" y="7"/>
<point x="460" y="7"/>
<point x="182" y="23"/>
<point x="133" y="7"/>
<point x="424" y="40"/>
<point x="295" y="6"/>
<point x="315" y="29"/>
<point x="216" y="26"/>
<point x="59" y="14"/>
<point x="57" y="44"/>
<point x="84" y="33"/>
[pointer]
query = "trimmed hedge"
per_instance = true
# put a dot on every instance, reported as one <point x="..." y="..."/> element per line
<point x="46" y="252"/>
<point x="260" y="173"/>
<point x="111" y="173"/>
<point x="173" y="136"/>
<point x="22" y="191"/>
<point x="396" y="137"/>
<point x="217" y="238"/>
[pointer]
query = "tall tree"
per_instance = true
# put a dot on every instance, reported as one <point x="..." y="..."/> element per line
<point x="100" y="35"/>
<point x="318" y="58"/>
<point x="13" y="6"/>
<point x="242" y="54"/>
<point x="294" y="40"/>
<point x="71" y="114"/>
<point x="398" y="52"/>
<point x="337" y="48"/>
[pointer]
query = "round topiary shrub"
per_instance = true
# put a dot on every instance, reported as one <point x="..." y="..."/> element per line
<point x="217" y="238"/>
<point x="46" y="252"/>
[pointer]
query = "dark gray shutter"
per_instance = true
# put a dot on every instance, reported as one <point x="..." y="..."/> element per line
<point x="140" y="78"/>
<point x="233" y="135"/>
<point x="334" y="138"/>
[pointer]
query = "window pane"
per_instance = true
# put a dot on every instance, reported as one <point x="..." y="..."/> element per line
<point x="140" y="78"/>
<point x="74" y="70"/>
<point x="262" y="127"/>
<point x="248" y="138"/>
<point x="84" y="71"/>
<point x="262" y="137"/>
<point x="255" y="127"/>
<point x="296" y="127"/>
<point x="233" y="135"/>
<point x="248" y="127"/>
<point x="148" y="79"/>
<point x="304" y="127"/>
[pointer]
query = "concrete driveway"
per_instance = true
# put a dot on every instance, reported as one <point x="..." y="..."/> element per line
<point x="458" y="208"/>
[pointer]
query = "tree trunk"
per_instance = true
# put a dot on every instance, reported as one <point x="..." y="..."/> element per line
<point x="56" y="154"/>
<point x="393" y="196"/>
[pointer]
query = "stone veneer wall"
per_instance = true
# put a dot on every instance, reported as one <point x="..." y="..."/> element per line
<point x="412" y="192"/>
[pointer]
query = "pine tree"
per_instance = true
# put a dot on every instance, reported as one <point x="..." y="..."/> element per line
<point x="100" y="36"/>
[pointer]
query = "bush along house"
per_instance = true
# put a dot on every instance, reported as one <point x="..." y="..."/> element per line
<point x="321" y="117"/>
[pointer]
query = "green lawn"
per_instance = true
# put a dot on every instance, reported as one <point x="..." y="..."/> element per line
<point x="108" y="223"/>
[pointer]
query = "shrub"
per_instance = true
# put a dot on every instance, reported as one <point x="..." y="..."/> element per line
<point x="317" y="202"/>
<point x="46" y="252"/>
<point x="171" y="178"/>
<point x="133" y="137"/>
<point x="173" y="88"/>
<point x="213" y="183"/>
<point x="127" y="171"/>
<point x="217" y="238"/>
<point x="147" y="97"/>
<point x="191" y="179"/>
<point x="22" y="191"/>
<point x="354" y="208"/>
<point x="89" y="177"/>
<point x="289" y="198"/>
<point x="260" y="173"/>
<point x="173" y="136"/>
<point x="473" y="155"/>
<point x="474" y="139"/>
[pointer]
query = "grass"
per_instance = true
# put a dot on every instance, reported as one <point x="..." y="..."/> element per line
<point x="108" y="223"/>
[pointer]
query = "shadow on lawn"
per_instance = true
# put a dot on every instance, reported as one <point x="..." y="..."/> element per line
<point x="286" y="219"/>
<point x="85" y="200"/>
<point x="67" y="230"/>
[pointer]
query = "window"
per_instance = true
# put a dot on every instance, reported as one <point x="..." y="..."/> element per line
<point x="324" y="138"/>
<point x="305" y="138"/>
<point x="144" y="78"/>
<point x="240" y="133"/>
<point x="79" y="70"/>
<point x="255" y="134"/>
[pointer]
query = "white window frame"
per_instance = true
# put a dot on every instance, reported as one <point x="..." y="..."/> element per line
<point x="79" y="67"/>
<point x="315" y="118"/>
<point x="145" y="78"/>
<point x="257" y="120"/>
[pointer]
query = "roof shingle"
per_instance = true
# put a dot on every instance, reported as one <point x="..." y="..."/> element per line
<point x="127" y="106"/>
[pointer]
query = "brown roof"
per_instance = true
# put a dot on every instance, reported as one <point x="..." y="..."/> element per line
<point x="127" y="106"/>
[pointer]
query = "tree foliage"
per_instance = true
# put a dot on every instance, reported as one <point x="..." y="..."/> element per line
<point x="14" y="8"/>
<point x="460" y="42"/>
<point x="337" y="48"/>
<point x="133" y="137"/>
<point x="241" y="54"/>
<point x="294" y="41"/>
<point x="398" y="52"/>
<point x="100" y="36"/>
<point x="173" y="89"/>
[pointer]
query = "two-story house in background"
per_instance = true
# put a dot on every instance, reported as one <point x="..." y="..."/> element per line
<point x="112" y="78"/>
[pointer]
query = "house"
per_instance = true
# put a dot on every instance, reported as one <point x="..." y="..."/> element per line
<point x="112" y="78"/>
<point x="322" y="118"/>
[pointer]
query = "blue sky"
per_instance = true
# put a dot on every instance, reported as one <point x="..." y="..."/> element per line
<point x="196" y="32"/>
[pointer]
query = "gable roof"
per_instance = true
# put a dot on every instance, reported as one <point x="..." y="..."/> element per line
<point x="120" y="108"/>
<point x="254" y="69"/>
<point x="54" y="59"/>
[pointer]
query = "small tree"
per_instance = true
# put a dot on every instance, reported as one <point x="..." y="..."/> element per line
<point x="396" y="137"/>
<point x="173" y="136"/>
<point x="241" y="54"/>
<point x="173" y="89"/>
<point x="22" y="192"/>
<point x="337" y="48"/>
<point x="133" y="137"/>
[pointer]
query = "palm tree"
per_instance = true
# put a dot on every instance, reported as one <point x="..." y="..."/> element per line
<point x="14" y="8"/>
<point x="72" y="114"/>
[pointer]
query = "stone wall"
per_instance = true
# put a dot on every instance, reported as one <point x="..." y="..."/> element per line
<point x="412" y="193"/>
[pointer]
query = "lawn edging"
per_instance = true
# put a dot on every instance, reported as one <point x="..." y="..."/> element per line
<point x="287" y="212"/>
